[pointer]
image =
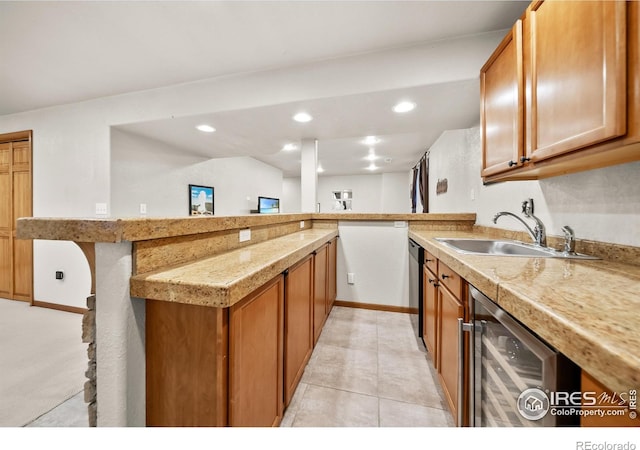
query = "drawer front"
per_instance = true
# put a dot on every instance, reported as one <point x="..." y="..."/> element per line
<point x="431" y="262"/>
<point x="450" y="279"/>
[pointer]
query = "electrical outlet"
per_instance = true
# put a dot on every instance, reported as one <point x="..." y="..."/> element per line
<point x="101" y="209"/>
<point x="302" y="224"/>
<point x="143" y="208"/>
<point x="245" y="235"/>
<point x="350" y="278"/>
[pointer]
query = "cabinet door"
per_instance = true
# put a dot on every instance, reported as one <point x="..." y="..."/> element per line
<point x="575" y="71"/>
<point x="430" y="313"/>
<point x="331" y="274"/>
<point x="298" y="327"/>
<point x="502" y="106"/>
<point x="186" y="365"/>
<point x="319" y="290"/>
<point x="256" y="357"/>
<point x="449" y="310"/>
<point x="607" y="399"/>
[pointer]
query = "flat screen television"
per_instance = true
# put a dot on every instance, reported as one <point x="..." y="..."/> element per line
<point x="268" y="205"/>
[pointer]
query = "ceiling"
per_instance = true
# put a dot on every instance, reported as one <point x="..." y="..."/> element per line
<point x="68" y="52"/>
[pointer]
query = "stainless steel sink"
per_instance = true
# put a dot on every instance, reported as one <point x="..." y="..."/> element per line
<point x="499" y="247"/>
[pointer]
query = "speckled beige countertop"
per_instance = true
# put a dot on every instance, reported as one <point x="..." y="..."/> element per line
<point x="226" y="278"/>
<point x="142" y="229"/>
<point x="587" y="310"/>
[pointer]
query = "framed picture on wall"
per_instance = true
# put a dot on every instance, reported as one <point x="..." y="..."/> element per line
<point x="200" y="200"/>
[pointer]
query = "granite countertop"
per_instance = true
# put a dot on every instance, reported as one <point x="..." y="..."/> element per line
<point x="224" y="279"/>
<point x="141" y="228"/>
<point x="588" y="310"/>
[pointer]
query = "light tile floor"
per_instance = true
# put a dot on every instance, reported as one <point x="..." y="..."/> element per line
<point x="368" y="370"/>
<point x="71" y="413"/>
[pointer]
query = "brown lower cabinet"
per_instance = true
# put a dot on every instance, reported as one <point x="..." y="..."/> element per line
<point x="331" y="274"/>
<point x="608" y="398"/>
<point x="430" y="313"/>
<point x="186" y="364"/>
<point x="445" y="301"/>
<point x="298" y="316"/>
<point x="320" y="310"/>
<point x="256" y="352"/>
<point x="202" y="362"/>
<point x="236" y="366"/>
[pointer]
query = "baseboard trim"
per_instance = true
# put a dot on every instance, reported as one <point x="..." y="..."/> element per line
<point x="67" y="308"/>
<point x="374" y="306"/>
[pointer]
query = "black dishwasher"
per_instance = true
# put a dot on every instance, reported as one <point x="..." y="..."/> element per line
<point x="416" y="260"/>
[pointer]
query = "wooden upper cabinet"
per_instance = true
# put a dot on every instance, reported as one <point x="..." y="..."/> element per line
<point x="580" y="106"/>
<point x="575" y="69"/>
<point x="501" y="106"/>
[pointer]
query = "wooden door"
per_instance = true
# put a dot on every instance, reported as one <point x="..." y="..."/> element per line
<point x="16" y="256"/>
<point x="575" y="72"/>
<point x="256" y="362"/>
<point x="449" y="310"/>
<point x="430" y="313"/>
<point x="502" y="106"/>
<point x="319" y="290"/>
<point x="298" y="324"/>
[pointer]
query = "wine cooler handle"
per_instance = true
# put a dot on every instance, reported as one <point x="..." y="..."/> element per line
<point x="462" y="327"/>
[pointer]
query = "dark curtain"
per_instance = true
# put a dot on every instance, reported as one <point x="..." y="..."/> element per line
<point x="424" y="183"/>
<point x="414" y="186"/>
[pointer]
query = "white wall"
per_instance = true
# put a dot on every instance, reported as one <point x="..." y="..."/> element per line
<point x="71" y="143"/>
<point x="375" y="193"/>
<point x="377" y="254"/>
<point x="291" y="195"/>
<point x="601" y="204"/>
<point x="146" y="171"/>
<point x="396" y="192"/>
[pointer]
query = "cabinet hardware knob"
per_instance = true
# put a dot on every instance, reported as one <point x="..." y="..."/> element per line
<point x="524" y="159"/>
<point x="512" y="163"/>
<point x="428" y="260"/>
<point x="431" y="280"/>
<point x="436" y="285"/>
<point x="445" y="276"/>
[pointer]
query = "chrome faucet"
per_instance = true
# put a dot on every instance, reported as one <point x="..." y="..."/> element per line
<point x="538" y="233"/>
<point x="569" y="240"/>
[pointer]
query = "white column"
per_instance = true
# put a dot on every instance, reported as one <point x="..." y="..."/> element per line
<point x="120" y="351"/>
<point x="309" y="175"/>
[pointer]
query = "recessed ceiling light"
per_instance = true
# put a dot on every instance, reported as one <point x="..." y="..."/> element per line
<point x="372" y="166"/>
<point x="371" y="157"/>
<point x="319" y="169"/>
<point x="404" y="107"/>
<point x="290" y="147"/>
<point x="370" y="140"/>
<point x="206" y="128"/>
<point x="302" y="117"/>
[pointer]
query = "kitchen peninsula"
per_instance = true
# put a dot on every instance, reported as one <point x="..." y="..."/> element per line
<point x="580" y="307"/>
<point x="187" y="261"/>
